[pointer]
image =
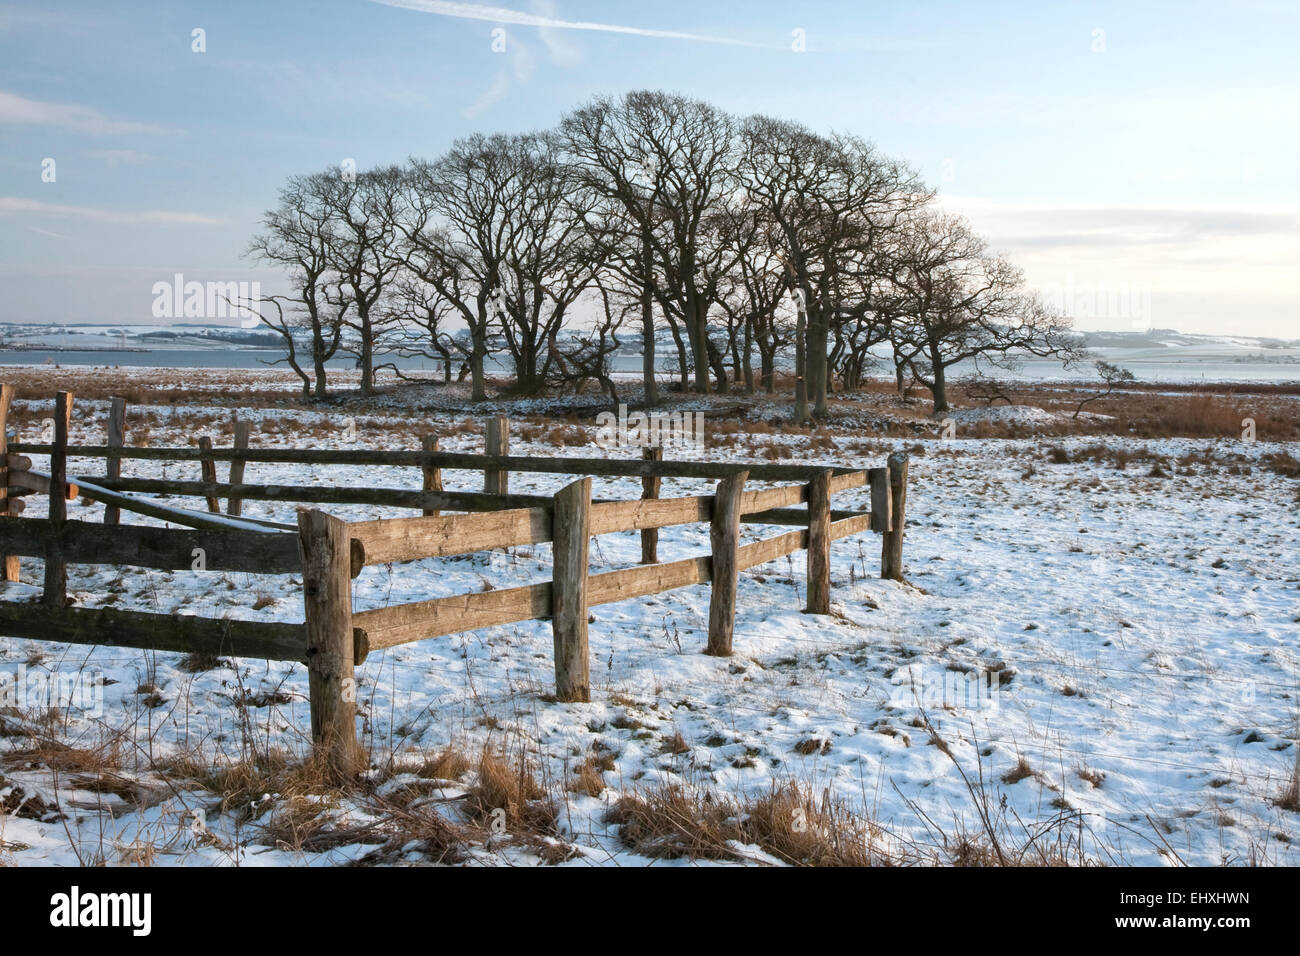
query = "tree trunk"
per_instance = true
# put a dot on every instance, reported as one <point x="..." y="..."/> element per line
<point x="700" y="344"/>
<point x="801" y="368"/>
<point x="684" y="365"/>
<point x="649" y="385"/>
<point x="747" y="358"/>
<point x="367" y="357"/>
<point x="818" y="377"/>
<point x="718" y="365"/>
<point x="318" y="362"/>
<point x="940" y="389"/>
<point x="478" y="392"/>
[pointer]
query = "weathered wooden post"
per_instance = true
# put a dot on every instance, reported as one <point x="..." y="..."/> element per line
<point x="881" y="500"/>
<point x="650" y="489"/>
<point x="432" y="475"/>
<point x="56" y="569"/>
<point x="112" y="462"/>
<point x="571" y="540"/>
<point x="891" y="547"/>
<point x="497" y="445"/>
<point x="10" y="561"/>
<point x="819" y="543"/>
<point x="724" y="535"/>
<point x="235" y="506"/>
<point x="327" y="599"/>
<point x="209" y="469"/>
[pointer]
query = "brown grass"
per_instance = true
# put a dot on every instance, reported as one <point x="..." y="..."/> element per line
<point x="670" y="822"/>
<point x="1019" y="772"/>
<point x="588" y="778"/>
<point x="508" y="790"/>
<point x="1289" y="798"/>
<point x="447" y="764"/>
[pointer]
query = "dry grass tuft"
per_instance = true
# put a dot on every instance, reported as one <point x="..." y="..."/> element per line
<point x="588" y="778"/>
<point x="671" y="822"/>
<point x="245" y="784"/>
<point x="509" y="792"/>
<point x="1019" y="772"/>
<point x="1289" y="798"/>
<point x="198" y="663"/>
<point x="447" y="764"/>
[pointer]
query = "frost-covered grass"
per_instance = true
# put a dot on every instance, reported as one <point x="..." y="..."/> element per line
<point x="1127" y="609"/>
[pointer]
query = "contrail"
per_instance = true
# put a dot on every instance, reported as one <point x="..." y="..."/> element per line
<point x="472" y="11"/>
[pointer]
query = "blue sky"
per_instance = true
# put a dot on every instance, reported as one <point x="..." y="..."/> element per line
<point x="1159" y="156"/>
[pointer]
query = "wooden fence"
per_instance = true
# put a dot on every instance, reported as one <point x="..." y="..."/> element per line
<point x="330" y="552"/>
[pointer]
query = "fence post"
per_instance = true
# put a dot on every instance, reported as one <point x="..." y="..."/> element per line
<point x="432" y="476"/>
<point x="881" y="500"/>
<point x="497" y="444"/>
<point x="235" y="506"/>
<point x="112" y="462"/>
<point x="56" y="569"/>
<point x="569" y="532"/>
<point x="819" y="543"/>
<point x="724" y="535"/>
<point x="650" y="489"/>
<point x="891" y="547"/>
<point x="10" y="561"/>
<point x="209" y="468"/>
<point x="327" y="601"/>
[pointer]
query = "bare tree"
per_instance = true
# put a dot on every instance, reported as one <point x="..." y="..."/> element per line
<point x="498" y="227"/>
<point x="550" y="257"/>
<point x="831" y="200"/>
<point x="585" y="356"/>
<point x="752" y="294"/>
<point x="1112" y="376"/>
<point x="361" y="249"/>
<point x="422" y="315"/>
<point x="961" y="303"/>
<point x="667" y="162"/>
<point x="296" y="236"/>
<point x="454" y="228"/>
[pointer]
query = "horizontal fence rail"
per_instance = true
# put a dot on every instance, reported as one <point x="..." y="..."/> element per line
<point x="183" y="633"/>
<point x="163" y="549"/>
<point x="600" y="467"/>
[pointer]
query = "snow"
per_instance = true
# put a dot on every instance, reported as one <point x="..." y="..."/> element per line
<point x="181" y="516"/>
<point x="1147" y="627"/>
<point x="1026" y="415"/>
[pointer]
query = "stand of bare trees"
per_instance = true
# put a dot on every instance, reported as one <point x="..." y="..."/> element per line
<point x="639" y="217"/>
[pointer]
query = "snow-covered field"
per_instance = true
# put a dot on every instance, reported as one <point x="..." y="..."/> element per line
<point x="1133" y="639"/>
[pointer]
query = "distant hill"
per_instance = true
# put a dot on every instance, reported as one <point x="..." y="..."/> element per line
<point x="1171" y="338"/>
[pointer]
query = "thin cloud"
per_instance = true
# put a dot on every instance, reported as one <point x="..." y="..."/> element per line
<point x="472" y="11"/>
<point x="14" y="206"/>
<point x="1041" y="224"/>
<point x="522" y="64"/>
<point x="493" y="94"/>
<point x="19" y="110"/>
<point x="121" y="157"/>
<point x="561" y="50"/>
<point x="48" y="232"/>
